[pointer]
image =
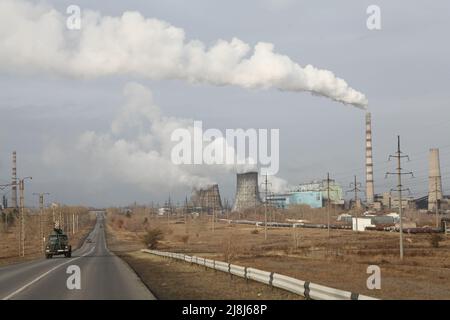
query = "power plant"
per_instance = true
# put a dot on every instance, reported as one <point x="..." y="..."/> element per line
<point x="369" y="161"/>
<point x="434" y="181"/>
<point x="247" y="191"/>
<point x="207" y="199"/>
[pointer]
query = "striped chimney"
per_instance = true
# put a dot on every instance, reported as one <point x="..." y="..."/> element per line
<point x="14" y="181"/>
<point x="369" y="161"/>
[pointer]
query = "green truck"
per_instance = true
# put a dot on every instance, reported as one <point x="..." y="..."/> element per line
<point x="58" y="244"/>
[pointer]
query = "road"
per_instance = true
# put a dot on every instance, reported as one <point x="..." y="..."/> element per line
<point x="103" y="275"/>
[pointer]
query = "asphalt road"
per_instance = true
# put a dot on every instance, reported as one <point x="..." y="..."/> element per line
<point x="102" y="275"/>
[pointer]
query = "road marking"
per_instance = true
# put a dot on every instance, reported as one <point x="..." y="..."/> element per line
<point x="45" y="274"/>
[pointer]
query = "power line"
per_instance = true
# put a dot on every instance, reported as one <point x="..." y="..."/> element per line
<point x="399" y="172"/>
<point x="355" y="190"/>
<point x="265" y="205"/>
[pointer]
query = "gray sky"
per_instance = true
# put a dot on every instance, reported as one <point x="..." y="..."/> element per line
<point x="403" y="70"/>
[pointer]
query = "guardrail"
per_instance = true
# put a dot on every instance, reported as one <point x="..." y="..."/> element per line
<point x="306" y="289"/>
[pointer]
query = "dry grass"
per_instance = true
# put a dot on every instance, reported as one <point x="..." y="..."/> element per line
<point x="168" y="279"/>
<point x="340" y="261"/>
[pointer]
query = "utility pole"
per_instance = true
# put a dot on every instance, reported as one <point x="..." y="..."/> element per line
<point x="185" y="212"/>
<point x="169" y="211"/>
<point x="41" y="213"/>
<point x="5" y="202"/>
<point x="436" y="202"/>
<point x="399" y="172"/>
<point x="355" y="189"/>
<point x="328" y="203"/>
<point x="60" y="220"/>
<point x="213" y="212"/>
<point x="53" y="216"/>
<point x="22" y="215"/>
<point x="265" y="205"/>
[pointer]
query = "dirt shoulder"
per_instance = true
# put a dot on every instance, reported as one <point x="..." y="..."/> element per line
<point x="173" y="280"/>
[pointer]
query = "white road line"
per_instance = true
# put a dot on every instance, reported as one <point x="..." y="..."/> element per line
<point x="43" y="275"/>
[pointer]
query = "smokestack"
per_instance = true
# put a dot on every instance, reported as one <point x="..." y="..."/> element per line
<point x="247" y="193"/>
<point x="434" y="181"/>
<point x="369" y="160"/>
<point x="14" y="181"/>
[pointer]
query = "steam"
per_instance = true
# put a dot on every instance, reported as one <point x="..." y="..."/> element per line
<point x="136" y="150"/>
<point x="34" y="38"/>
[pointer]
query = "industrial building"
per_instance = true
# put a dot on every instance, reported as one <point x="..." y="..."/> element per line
<point x="313" y="194"/>
<point x="390" y="200"/>
<point x="247" y="191"/>
<point x="207" y="199"/>
<point x="310" y="198"/>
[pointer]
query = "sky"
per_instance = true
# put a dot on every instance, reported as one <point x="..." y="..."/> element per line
<point x="92" y="125"/>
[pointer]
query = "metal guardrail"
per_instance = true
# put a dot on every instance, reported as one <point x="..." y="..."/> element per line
<point x="306" y="289"/>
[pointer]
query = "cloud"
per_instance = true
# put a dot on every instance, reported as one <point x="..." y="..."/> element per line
<point x="34" y="38"/>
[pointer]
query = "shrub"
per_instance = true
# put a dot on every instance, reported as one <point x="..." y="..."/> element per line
<point x="152" y="237"/>
<point x="435" y="239"/>
<point x="255" y="231"/>
<point x="185" y="238"/>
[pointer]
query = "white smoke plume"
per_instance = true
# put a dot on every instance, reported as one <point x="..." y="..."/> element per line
<point x="137" y="151"/>
<point x="276" y="184"/>
<point x="34" y="38"/>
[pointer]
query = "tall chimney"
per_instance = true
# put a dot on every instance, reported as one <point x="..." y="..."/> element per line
<point x="14" y="181"/>
<point x="369" y="161"/>
<point x="434" y="181"/>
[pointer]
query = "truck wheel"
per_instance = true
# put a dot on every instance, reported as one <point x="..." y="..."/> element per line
<point x="69" y="254"/>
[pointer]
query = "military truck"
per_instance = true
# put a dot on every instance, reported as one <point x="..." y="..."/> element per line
<point x="58" y="244"/>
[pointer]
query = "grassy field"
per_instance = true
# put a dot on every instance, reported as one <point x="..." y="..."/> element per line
<point x="339" y="261"/>
<point x="10" y="235"/>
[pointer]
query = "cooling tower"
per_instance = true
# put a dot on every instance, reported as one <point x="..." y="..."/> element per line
<point x="434" y="182"/>
<point x="369" y="161"/>
<point x="247" y="193"/>
<point x="14" y="181"/>
<point x="207" y="198"/>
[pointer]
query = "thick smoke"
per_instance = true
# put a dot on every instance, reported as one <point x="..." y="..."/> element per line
<point x="34" y="38"/>
<point x="136" y="150"/>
